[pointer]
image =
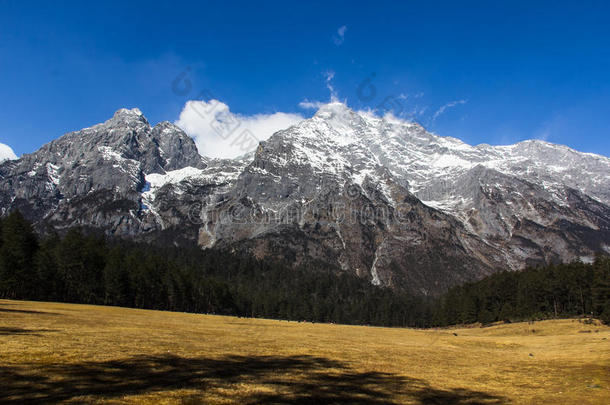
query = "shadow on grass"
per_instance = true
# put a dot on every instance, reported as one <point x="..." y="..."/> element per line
<point x="286" y="380"/>
<point x="23" y="311"/>
<point x="19" y="331"/>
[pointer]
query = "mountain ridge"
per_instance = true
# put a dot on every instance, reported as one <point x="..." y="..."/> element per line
<point x="375" y="196"/>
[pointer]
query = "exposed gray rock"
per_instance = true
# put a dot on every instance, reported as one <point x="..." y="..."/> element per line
<point x="483" y="207"/>
<point x="377" y="197"/>
<point x="95" y="176"/>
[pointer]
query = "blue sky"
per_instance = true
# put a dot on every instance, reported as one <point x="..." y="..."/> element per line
<point x="494" y="72"/>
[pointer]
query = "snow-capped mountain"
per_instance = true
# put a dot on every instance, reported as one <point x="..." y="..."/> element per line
<point x="93" y="177"/>
<point x="376" y="196"/>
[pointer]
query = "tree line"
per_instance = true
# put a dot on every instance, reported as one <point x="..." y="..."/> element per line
<point x="93" y="269"/>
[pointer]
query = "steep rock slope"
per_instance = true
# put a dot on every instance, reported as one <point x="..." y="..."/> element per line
<point x="94" y="177"/>
<point x="376" y="196"/>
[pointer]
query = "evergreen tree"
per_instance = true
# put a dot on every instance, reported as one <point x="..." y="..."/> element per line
<point x="18" y="278"/>
<point x="49" y="286"/>
<point x="601" y="289"/>
<point x="91" y="269"/>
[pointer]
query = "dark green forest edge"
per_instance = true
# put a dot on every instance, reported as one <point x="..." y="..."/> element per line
<point x="91" y="269"/>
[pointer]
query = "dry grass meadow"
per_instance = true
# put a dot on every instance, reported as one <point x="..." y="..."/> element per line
<point x="53" y="352"/>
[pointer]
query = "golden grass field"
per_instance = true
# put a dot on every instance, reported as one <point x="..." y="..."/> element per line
<point x="53" y="352"/>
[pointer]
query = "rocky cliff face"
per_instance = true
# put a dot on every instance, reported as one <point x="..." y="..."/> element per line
<point x="94" y="177"/>
<point x="378" y="197"/>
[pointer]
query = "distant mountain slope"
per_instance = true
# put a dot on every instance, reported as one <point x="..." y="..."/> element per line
<point x="378" y="197"/>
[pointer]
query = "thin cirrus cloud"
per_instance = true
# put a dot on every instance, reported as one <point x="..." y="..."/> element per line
<point x="6" y="153"/>
<point x="339" y="37"/>
<point x="311" y="105"/>
<point x="329" y="75"/>
<point x="443" y="108"/>
<point x="220" y="133"/>
<point x="551" y="128"/>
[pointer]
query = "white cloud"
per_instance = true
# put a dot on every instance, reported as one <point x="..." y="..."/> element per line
<point x="311" y="105"/>
<point x="451" y="104"/>
<point x="339" y="38"/>
<point x="6" y="153"/>
<point x="330" y="75"/>
<point x="219" y="133"/>
<point x="306" y="104"/>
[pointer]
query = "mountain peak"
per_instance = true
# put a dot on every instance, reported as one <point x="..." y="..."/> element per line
<point x="127" y="111"/>
<point x="372" y="194"/>
<point x="128" y="115"/>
